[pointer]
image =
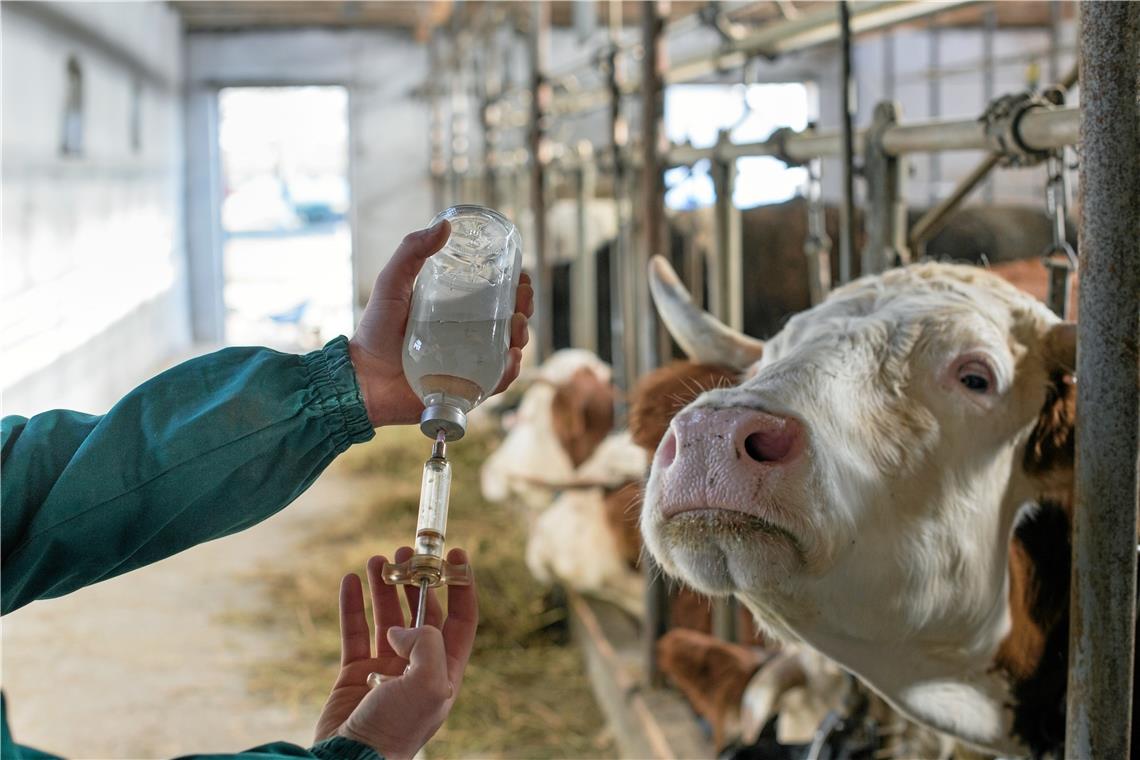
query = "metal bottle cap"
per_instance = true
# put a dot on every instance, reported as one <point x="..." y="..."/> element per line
<point x="450" y="419"/>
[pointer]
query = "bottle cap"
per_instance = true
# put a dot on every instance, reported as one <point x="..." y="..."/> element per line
<point x="450" y="419"/>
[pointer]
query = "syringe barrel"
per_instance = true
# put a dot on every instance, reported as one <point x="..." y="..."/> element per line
<point x="434" y="493"/>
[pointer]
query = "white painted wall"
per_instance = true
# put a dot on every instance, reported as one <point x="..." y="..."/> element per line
<point x="388" y="125"/>
<point x="93" y="260"/>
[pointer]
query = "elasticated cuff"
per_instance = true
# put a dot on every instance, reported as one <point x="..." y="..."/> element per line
<point x="336" y="392"/>
<point x="339" y="748"/>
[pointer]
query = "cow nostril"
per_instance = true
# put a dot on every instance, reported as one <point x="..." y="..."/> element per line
<point x="668" y="451"/>
<point x="769" y="445"/>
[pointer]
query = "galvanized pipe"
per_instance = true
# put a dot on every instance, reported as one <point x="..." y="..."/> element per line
<point x="847" y="147"/>
<point x="1039" y="129"/>
<point x="538" y="148"/>
<point x="1103" y="607"/>
<point x="933" y="220"/>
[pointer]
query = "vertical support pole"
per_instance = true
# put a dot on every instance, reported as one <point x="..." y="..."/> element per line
<point x="1103" y="607"/>
<point x="886" y="210"/>
<point x="619" y="138"/>
<point x="728" y="270"/>
<point x="655" y="239"/>
<point x="846" y="114"/>
<point x="728" y="306"/>
<point x="539" y="149"/>
<point x="1054" y="73"/>
<point x="988" y="32"/>
<point x="490" y="112"/>
<point x="890" y="70"/>
<point x="584" y="327"/>
<point x="436" y="134"/>
<point x="934" y="107"/>
<point x="817" y="245"/>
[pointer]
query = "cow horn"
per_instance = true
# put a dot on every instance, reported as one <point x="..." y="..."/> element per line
<point x="698" y="333"/>
<point x="1061" y="345"/>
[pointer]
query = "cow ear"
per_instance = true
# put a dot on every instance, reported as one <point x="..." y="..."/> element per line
<point x="1061" y="347"/>
<point x="1051" y="449"/>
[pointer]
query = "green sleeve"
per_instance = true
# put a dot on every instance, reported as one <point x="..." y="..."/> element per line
<point x="336" y="748"/>
<point x="206" y="449"/>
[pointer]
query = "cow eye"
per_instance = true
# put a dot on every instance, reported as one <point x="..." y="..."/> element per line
<point x="975" y="376"/>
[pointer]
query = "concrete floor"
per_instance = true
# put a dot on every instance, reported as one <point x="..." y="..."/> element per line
<point x="147" y="665"/>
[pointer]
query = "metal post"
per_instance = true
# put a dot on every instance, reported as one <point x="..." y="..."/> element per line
<point x="619" y="138"/>
<point x="584" y="326"/>
<point x="988" y="32"/>
<point x="934" y="106"/>
<point x="890" y="70"/>
<point x="539" y="104"/>
<point x="817" y="245"/>
<point x="655" y="240"/>
<point x="727" y="295"/>
<point x="1103" y="606"/>
<point x="846" y="106"/>
<point x="885" y="218"/>
<point x="654" y="145"/>
<point x="436" y="127"/>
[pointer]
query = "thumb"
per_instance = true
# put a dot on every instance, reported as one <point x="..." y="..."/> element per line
<point x="423" y="649"/>
<point x="395" y="282"/>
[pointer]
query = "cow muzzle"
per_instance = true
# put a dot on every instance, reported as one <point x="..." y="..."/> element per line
<point x="738" y="459"/>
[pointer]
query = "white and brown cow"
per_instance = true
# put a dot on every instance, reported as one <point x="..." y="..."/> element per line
<point x="887" y="484"/>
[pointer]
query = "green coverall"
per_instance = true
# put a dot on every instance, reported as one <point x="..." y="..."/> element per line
<point x="208" y="448"/>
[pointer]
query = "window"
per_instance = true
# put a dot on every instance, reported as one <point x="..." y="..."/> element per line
<point x="71" y="143"/>
<point x="696" y="113"/>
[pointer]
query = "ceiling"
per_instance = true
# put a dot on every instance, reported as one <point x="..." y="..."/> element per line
<point x="421" y="16"/>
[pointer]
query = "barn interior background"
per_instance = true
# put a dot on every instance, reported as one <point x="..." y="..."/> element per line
<point x="179" y="176"/>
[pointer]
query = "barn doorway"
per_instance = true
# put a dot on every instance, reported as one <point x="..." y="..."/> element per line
<point x="287" y="241"/>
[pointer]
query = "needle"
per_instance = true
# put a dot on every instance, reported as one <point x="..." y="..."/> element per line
<point x="421" y="607"/>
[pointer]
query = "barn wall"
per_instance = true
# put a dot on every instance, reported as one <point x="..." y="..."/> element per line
<point x="391" y="190"/>
<point x="93" y="259"/>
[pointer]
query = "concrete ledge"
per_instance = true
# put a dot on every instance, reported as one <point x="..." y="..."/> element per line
<point x="647" y="722"/>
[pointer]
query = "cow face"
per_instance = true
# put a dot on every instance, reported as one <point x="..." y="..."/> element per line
<point x="862" y="482"/>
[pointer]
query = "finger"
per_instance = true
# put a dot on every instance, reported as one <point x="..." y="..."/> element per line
<point x="395" y="282"/>
<point x="511" y="373"/>
<point x="433" y="615"/>
<point x="354" y="644"/>
<point x="427" y="665"/>
<point x="462" y="622"/>
<point x="524" y="296"/>
<point x="385" y="605"/>
<point x="520" y="336"/>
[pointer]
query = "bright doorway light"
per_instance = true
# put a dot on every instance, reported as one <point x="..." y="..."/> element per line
<point x="288" y="249"/>
<point x="696" y="113"/>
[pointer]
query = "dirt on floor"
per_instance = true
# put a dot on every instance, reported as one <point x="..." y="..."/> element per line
<point x="525" y="694"/>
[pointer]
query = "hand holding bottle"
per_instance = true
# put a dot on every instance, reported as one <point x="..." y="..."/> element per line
<point x="377" y="346"/>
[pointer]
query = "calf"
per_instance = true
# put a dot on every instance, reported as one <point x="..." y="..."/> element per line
<point x="889" y="484"/>
<point x="564" y="415"/>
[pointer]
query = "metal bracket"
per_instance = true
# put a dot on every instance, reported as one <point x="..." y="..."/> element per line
<point x="780" y="139"/>
<point x="885" y="174"/>
<point x="1002" y="117"/>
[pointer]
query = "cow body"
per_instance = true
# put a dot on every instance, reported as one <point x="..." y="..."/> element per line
<point x="859" y="490"/>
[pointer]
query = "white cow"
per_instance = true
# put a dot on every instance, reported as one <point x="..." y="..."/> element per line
<point x="859" y="490"/>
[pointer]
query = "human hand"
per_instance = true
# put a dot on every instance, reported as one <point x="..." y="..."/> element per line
<point x="377" y="347"/>
<point x="398" y="717"/>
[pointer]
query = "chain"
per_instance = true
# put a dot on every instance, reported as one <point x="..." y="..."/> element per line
<point x="1059" y="258"/>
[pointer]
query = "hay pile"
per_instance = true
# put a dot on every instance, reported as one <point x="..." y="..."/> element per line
<point x="525" y="694"/>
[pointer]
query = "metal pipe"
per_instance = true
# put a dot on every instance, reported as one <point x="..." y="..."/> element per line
<point x="727" y="291"/>
<point x="847" y="147"/>
<point x="933" y="220"/>
<point x="1103" y="606"/>
<point x="619" y="137"/>
<point x="989" y="30"/>
<point x="584" y="322"/>
<point x="934" y="108"/>
<point x="537" y="144"/>
<point x="1039" y="129"/>
<point x="654" y="144"/>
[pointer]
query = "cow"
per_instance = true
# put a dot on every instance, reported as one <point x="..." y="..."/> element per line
<point x="563" y="416"/>
<point x="890" y="484"/>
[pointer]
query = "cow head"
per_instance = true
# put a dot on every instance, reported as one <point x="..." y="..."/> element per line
<point x="858" y="489"/>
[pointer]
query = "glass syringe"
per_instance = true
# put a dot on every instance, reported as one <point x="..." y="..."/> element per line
<point x="427" y="567"/>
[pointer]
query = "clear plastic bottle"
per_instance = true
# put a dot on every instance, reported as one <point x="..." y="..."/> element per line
<point x="459" y="329"/>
